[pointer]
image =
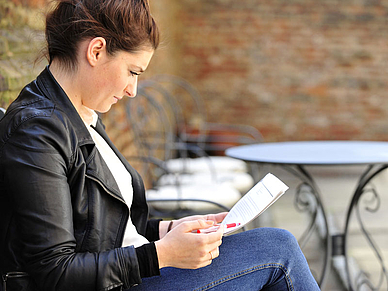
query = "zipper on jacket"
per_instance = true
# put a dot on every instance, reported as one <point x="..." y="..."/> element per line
<point x="125" y="218"/>
<point x="12" y="275"/>
<point x="103" y="186"/>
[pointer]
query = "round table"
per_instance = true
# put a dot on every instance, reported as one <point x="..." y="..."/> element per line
<point x="314" y="152"/>
<point x="295" y="156"/>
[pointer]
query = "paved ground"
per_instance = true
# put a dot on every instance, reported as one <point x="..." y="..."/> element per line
<point x="337" y="185"/>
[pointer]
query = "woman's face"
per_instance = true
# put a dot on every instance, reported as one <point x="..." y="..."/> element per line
<point x="116" y="78"/>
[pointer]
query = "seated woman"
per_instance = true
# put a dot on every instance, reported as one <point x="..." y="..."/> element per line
<point x="73" y="211"/>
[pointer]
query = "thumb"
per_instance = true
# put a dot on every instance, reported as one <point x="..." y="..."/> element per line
<point x="197" y="224"/>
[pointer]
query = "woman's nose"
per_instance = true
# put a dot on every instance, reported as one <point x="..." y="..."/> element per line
<point x="131" y="89"/>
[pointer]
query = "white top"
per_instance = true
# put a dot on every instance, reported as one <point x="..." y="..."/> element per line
<point x="314" y="152"/>
<point x="120" y="173"/>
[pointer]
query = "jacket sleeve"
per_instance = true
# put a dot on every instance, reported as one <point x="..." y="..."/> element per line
<point x="146" y="254"/>
<point x="35" y="160"/>
<point x="152" y="231"/>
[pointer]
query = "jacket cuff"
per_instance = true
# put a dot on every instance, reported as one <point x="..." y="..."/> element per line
<point x="148" y="260"/>
<point x="152" y="231"/>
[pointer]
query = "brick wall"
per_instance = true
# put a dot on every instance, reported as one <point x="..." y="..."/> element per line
<point x="295" y="69"/>
<point x="21" y="39"/>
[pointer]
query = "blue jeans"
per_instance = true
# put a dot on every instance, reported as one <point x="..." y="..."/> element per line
<point x="259" y="259"/>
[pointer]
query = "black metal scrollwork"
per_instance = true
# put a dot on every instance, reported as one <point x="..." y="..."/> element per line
<point x="365" y="199"/>
<point x="371" y="205"/>
<point x="305" y="201"/>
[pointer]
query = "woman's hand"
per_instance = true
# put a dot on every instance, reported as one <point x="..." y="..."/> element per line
<point x="181" y="248"/>
<point x="216" y="218"/>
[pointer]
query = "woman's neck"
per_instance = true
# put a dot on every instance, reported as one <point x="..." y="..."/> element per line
<point x="68" y="81"/>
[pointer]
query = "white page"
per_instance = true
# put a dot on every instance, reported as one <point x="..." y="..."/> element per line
<point x="255" y="201"/>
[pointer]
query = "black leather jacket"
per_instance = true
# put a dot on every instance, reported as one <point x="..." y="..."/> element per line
<point x="62" y="214"/>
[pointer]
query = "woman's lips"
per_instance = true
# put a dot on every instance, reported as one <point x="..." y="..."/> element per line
<point x="116" y="99"/>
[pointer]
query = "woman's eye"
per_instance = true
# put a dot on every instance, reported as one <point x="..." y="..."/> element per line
<point x="134" y="73"/>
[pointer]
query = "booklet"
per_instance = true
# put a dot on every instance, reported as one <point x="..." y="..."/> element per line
<point x="254" y="202"/>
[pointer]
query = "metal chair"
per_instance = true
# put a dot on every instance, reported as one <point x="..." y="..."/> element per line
<point x="189" y="159"/>
<point x="194" y="126"/>
<point x="154" y="137"/>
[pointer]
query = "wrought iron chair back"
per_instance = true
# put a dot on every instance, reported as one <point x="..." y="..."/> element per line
<point x="184" y="146"/>
<point x="212" y="137"/>
<point x="154" y="138"/>
<point x="152" y="133"/>
<point x="187" y="154"/>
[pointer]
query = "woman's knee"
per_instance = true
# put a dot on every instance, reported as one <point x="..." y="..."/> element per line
<point x="282" y="236"/>
<point x="274" y="234"/>
<point x="274" y="240"/>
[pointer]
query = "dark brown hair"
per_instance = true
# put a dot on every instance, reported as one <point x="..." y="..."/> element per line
<point x="126" y="25"/>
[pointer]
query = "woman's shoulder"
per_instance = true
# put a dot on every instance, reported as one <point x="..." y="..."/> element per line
<point x="34" y="121"/>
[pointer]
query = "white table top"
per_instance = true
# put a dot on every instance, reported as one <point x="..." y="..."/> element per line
<point x="314" y="152"/>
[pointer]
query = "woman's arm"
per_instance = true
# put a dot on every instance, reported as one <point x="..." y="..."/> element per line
<point x="35" y="161"/>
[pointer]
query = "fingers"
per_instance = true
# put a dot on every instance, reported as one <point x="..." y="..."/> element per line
<point x="217" y="218"/>
<point x="214" y="247"/>
<point x="183" y="249"/>
<point x="214" y="253"/>
<point x="190" y="226"/>
<point x="220" y="216"/>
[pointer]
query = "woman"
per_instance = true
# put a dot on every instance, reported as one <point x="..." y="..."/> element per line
<point x="74" y="215"/>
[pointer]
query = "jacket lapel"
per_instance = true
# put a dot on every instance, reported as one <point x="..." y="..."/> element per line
<point x="101" y="174"/>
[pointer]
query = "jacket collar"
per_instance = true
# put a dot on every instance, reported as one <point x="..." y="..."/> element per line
<point x="53" y="91"/>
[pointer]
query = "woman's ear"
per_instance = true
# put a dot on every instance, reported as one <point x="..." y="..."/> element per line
<point x="95" y="50"/>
